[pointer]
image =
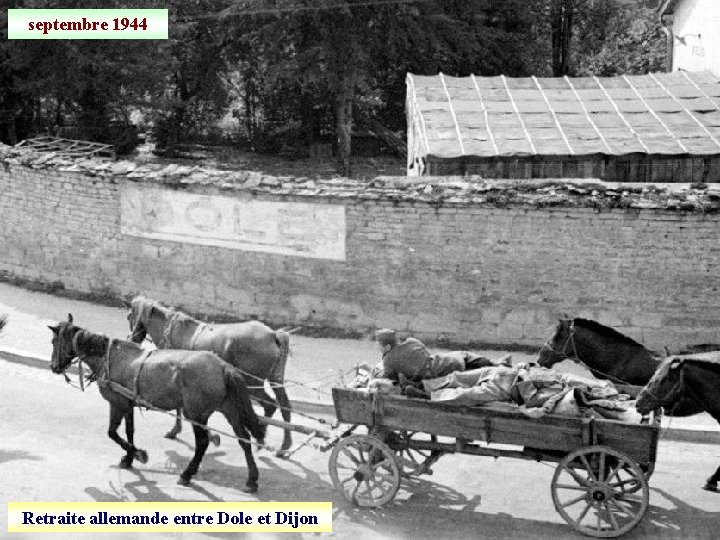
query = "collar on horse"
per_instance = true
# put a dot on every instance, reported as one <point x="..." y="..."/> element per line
<point x="102" y="376"/>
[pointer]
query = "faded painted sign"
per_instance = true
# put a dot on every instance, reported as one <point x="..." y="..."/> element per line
<point x="289" y="228"/>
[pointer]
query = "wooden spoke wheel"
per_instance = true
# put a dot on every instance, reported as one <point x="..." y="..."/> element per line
<point x="413" y="461"/>
<point x="647" y="473"/>
<point x="364" y="470"/>
<point x="600" y="492"/>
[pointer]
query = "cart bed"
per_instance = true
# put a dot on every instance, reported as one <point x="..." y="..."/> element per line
<point x="552" y="433"/>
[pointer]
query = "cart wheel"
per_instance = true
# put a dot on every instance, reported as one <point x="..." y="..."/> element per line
<point x="600" y="492"/>
<point x="365" y="470"/>
<point x="647" y="473"/>
<point x="414" y="461"/>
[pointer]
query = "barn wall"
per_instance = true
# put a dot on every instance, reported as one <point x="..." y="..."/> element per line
<point x="466" y="272"/>
<point x="634" y="168"/>
<point x="696" y="46"/>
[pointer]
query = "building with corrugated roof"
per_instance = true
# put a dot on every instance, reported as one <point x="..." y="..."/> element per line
<point x="659" y="127"/>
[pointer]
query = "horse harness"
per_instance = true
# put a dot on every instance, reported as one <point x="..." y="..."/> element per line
<point x="102" y="377"/>
<point x="575" y="355"/>
<point x="569" y="341"/>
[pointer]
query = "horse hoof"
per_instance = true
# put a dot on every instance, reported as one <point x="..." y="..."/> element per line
<point x="182" y="481"/>
<point x="282" y="454"/>
<point x="141" y="456"/>
<point x="125" y="463"/>
<point x="215" y="439"/>
<point x="711" y="487"/>
<point x="250" y="488"/>
<point x="170" y="435"/>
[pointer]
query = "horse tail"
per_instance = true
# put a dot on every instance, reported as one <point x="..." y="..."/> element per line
<point x="238" y="393"/>
<point x="282" y="339"/>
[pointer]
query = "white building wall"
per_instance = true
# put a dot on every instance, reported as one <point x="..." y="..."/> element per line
<point x="696" y="29"/>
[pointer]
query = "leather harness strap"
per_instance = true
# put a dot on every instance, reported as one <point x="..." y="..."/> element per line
<point x="136" y="394"/>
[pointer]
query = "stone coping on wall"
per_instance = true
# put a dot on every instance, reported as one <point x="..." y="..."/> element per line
<point x="439" y="191"/>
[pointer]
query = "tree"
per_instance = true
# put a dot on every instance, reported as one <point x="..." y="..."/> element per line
<point x="581" y="37"/>
<point x="630" y="45"/>
<point x="195" y="93"/>
<point x="81" y="85"/>
<point x="338" y="56"/>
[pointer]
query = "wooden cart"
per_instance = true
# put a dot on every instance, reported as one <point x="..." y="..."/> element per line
<point x="600" y="484"/>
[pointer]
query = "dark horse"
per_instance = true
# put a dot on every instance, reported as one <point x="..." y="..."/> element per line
<point x="694" y="377"/>
<point x="257" y="350"/>
<point x="608" y="355"/>
<point x="199" y="383"/>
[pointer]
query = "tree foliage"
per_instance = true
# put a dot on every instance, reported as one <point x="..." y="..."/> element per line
<point x="295" y="72"/>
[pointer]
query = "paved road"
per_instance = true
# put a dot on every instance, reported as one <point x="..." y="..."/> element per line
<point x="53" y="447"/>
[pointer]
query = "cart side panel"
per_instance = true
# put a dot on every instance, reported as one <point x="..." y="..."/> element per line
<point x="353" y="407"/>
<point x="478" y="423"/>
<point x="483" y="424"/>
<point x="638" y="441"/>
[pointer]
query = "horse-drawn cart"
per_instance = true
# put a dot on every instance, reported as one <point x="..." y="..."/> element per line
<point x="600" y="484"/>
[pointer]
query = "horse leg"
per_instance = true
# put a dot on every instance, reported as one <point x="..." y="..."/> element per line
<point x="140" y="455"/>
<point x="201" y="444"/>
<point x="176" y="428"/>
<point x="712" y="482"/>
<point x="251" y="486"/>
<point x="233" y="418"/>
<point x="116" y="416"/>
<point x="284" y="403"/>
<point x="268" y="404"/>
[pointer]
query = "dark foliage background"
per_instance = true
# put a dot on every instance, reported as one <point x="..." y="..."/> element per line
<point x="280" y="76"/>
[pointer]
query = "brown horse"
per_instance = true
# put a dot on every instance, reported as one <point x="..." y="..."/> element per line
<point x="608" y="355"/>
<point x="199" y="383"/>
<point x="695" y="377"/>
<point x="257" y="350"/>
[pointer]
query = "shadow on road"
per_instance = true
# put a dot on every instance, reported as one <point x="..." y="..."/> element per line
<point x="14" y="455"/>
<point x="421" y="509"/>
<point x="677" y="522"/>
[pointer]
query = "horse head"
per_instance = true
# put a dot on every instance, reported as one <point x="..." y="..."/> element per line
<point x="63" y="345"/>
<point x="559" y="346"/>
<point x="138" y="318"/>
<point x="664" y="389"/>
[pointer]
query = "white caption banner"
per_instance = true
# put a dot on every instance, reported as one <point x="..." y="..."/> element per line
<point x="288" y="228"/>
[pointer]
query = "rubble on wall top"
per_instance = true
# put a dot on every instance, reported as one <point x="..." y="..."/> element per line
<point x="440" y="191"/>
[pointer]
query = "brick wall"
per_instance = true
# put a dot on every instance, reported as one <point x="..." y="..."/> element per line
<point x="469" y="272"/>
<point x="59" y="227"/>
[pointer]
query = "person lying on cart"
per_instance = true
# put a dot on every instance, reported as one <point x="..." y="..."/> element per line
<point x="409" y="362"/>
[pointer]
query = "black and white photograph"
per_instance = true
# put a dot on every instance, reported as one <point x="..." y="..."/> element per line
<point x="359" y="269"/>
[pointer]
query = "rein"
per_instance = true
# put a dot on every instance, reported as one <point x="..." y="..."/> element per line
<point x="576" y="356"/>
<point x="81" y="371"/>
<point x="688" y="390"/>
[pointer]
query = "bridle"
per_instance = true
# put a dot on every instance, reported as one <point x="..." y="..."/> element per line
<point x="135" y="329"/>
<point x="570" y="340"/>
<point x="575" y="356"/>
<point x="675" y="392"/>
<point x="69" y="359"/>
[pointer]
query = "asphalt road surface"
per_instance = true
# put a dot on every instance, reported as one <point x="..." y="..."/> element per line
<point x="53" y="447"/>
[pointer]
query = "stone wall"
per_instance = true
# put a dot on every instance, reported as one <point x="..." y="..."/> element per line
<point x="470" y="262"/>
